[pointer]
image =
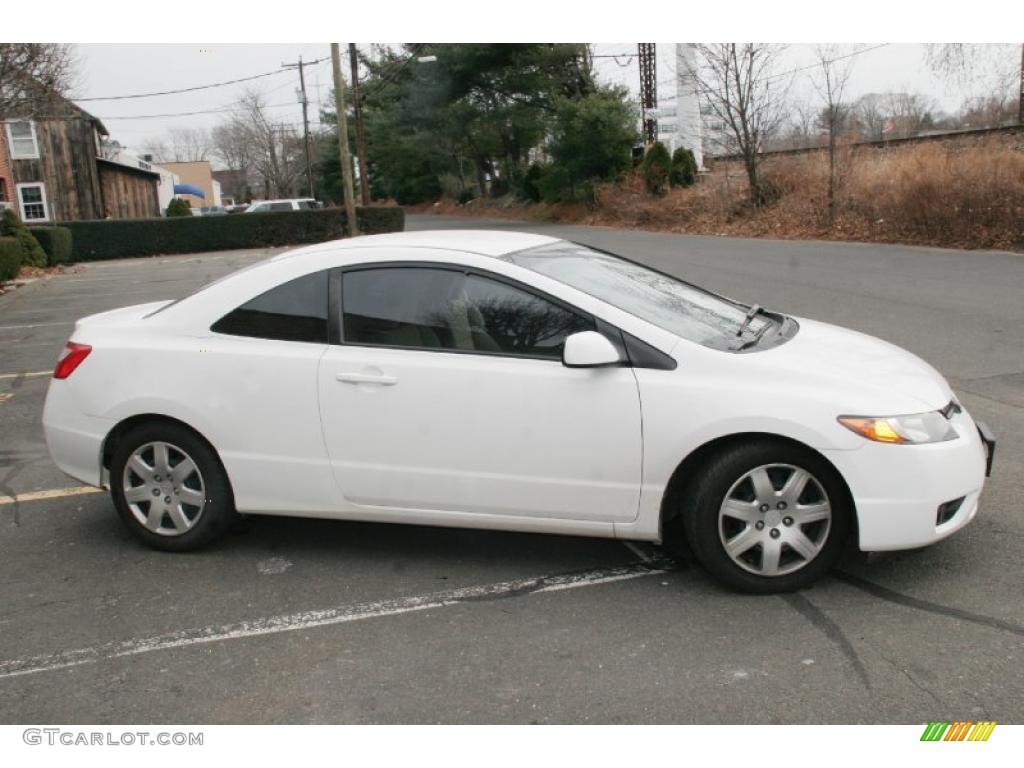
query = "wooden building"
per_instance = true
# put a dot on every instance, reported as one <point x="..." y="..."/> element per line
<point x="58" y="173"/>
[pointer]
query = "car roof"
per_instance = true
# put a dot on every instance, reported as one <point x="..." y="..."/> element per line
<point x="484" y="242"/>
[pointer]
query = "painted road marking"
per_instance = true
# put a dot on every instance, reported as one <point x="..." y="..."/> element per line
<point x="30" y="375"/>
<point x="273" y="625"/>
<point x="34" y="325"/>
<point x="53" y="493"/>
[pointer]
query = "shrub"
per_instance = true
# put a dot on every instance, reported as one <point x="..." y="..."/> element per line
<point x="465" y="196"/>
<point x="120" y="238"/>
<point x="530" y="186"/>
<point x="591" y="140"/>
<point x="55" y="241"/>
<point x="555" y="184"/>
<point x="10" y="258"/>
<point x="683" y="172"/>
<point x="31" y="252"/>
<point x="179" y="207"/>
<point x="655" y="168"/>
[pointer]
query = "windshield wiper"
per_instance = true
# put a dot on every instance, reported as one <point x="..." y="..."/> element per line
<point x="752" y="341"/>
<point x="751" y="314"/>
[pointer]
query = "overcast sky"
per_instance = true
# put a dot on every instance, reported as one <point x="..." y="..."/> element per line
<point x="115" y="70"/>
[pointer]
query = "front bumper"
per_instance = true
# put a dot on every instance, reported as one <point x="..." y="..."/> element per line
<point x="897" y="489"/>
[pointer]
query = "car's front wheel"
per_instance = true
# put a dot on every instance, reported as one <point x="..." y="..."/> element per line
<point x="767" y="517"/>
<point x="169" y="487"/>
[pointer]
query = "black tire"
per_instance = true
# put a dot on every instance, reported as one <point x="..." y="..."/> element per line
<point x="216" y="513"/>
<point x="706" y="494"/>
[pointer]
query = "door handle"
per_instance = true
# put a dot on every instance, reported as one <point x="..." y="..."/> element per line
<point x="367" y="378"/>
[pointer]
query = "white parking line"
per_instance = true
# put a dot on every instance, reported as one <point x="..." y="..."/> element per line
<point x="29" y="375"/>
<point x="34" y="325"/>
<point x="273" y="625"/>
<point x="53" y="493"/>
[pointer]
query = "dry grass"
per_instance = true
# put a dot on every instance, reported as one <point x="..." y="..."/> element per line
<point x="942" y="193"/>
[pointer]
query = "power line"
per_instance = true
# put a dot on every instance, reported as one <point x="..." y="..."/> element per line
<point x="183" y="90"/>
<point x="390" y="71"/>
<point x="230" y="108"/>
<point x="788" y="72"/>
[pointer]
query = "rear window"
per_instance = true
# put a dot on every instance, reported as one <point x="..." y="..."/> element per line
<point x="293" y="311"/>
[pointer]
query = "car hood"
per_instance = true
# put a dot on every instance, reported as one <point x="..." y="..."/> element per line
<point x="860" y="368"/>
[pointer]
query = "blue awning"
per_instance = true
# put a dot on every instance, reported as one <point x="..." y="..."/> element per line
<point x="189" y="189"/>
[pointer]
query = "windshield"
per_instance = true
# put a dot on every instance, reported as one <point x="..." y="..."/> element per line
<point x="685" y="310"/>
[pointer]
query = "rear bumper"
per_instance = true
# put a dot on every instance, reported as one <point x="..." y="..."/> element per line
<point x="75" y="440"/>
<point x="897" y="489"/>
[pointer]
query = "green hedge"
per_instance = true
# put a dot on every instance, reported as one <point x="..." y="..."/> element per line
<point x="121" y="238"/>
<point x="10" y="258"/>
<point x="56" y="241"/>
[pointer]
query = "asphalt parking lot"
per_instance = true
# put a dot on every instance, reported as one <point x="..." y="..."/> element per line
<point x="294" y="621"/>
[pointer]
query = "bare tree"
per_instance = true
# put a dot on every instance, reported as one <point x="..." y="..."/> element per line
<point x="999" y="69"/>
<point x="995" y="109"/>
<point x="32" y="75"/>
<point x="830" y="83"/>
<point x="181" y="145"/>
<point x="276" y="148"/>
<point x="232" y="147"/>
<point x="869" y="112"/>
<point x="909" y="113"/>
<point x="801" y="128"/>
<point x="742" y="89"/>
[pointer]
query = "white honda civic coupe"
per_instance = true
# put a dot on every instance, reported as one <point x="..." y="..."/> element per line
<point x="516" y="382"/>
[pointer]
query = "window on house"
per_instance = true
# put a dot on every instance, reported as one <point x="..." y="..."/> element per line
<point x="3" y="190"/>
<point x="32" y="198"/>
<point x="21" y="138"/>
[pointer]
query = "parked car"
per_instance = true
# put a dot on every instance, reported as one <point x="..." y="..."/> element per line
<point x="298" y="204"/>
<point x="213" y="210"/>
<point x="517" y="382"/>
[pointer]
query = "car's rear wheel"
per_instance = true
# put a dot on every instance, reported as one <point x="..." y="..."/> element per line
<point x="169" y="487"/>
<point x="767" y="517"/>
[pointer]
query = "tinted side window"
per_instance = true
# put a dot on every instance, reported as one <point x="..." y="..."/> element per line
<point x="446" y="309"/>
<point x="398" y="307"/>
<point x="293" y="311"/>
<point x="517" y="322"/>
<point x="280" y="206"/>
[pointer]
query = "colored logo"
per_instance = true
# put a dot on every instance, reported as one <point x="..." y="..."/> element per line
<point x="958" y="730"/>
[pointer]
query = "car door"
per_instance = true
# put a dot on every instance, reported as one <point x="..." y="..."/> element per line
<point x="258" y="383"/>
<point x="447" y="392"/>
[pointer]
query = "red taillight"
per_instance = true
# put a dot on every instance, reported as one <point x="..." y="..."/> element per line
<point x="70" y="359"/>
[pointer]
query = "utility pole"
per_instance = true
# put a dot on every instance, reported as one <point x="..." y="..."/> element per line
<point x="342" y="124"/>
<point x="648" y="90"/>
<point x="1020" y="101"/>
<point x="300" y="65"/>
<point x="357" y="113"/>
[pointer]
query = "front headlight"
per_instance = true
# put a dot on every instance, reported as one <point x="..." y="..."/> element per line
<point x="914" y="429"/>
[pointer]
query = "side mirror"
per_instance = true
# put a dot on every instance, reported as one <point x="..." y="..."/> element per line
<point x="589" y="349"/>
